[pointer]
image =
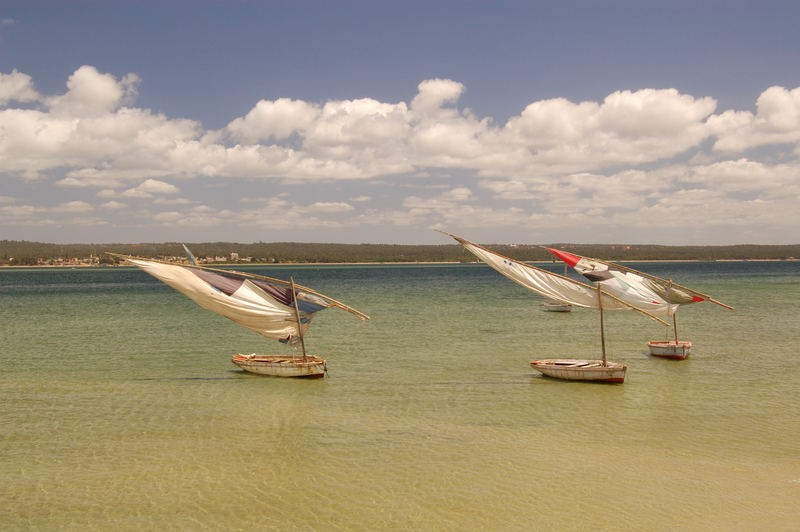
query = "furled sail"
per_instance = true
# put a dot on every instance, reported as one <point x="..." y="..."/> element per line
<point x="548" y="284"/>
<point x="262" y="307"/>
<point x="659" y="296"/>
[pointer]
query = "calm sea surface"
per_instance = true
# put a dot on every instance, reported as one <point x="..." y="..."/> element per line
<point x="120" y="408"/>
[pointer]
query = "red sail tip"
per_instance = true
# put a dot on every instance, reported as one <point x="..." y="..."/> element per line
<point x="697" y="299"/>
<point x="569" y="258"/>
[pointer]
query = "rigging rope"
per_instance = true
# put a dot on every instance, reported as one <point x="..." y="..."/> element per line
<point x="345" y="337"/>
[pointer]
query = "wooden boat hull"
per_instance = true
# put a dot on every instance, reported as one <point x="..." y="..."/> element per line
<point x="581" y="370"/>
<point x="670" y="349"/>
<point x="281" y="365"/>
<point x="557" y="307"/>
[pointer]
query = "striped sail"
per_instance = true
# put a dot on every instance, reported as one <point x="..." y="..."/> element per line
<point x="265" y="308"/>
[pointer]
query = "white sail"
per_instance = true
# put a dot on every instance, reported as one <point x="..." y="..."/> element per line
<point x="548" y="284"/>
<point x="673" y="294"/>
<point x="240" y="300"/>
<point x="657" y="295"/>
<point x="626" y="285"/>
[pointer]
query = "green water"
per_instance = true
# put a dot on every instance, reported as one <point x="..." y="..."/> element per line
<point x="120" y="409"/>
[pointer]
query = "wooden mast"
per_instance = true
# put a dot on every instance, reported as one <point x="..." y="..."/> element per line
<point x="674" y="316"/>
<point x="602" y="329"/>
<point x="675" y="327"/>
<point x="297" y="314"/>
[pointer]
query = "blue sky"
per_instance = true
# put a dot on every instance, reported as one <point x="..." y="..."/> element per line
<point x="538" y="122"/>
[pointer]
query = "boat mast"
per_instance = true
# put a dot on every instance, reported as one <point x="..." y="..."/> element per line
<point x="297" y="313"/>
<point x="602" y="330"/>
<point x="674" y="315"/>
<point x="675" y="326"/>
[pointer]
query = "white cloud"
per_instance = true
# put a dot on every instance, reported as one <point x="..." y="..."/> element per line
<point x="72" y="182"/>
<point x="751" y="178"/>
<point x="354" y="124"/>
<point x="12" y="213"/>
<point x="627" y="128"/>
<point x="93" y="94"/>
<point x="158" y="187"/>
<point x="434" y="93"/>
<point x="457" y="194"/>
<point x="18" y="87"/>
<point x="31" y="141"/>
<point x="65" y="214"/>
<point x="173" y="201"/>
<point x="448" y="204"/>
<point x="777" y="121"/>
<point x="149" y="188"/>
<point x="616" y="162"/>
<point x="102" y="144"/>
<point x="135" y="193"/>
<point x="127" y="144"/>
<point x="168" y="217"/>
<point x="441" y="213"/>
<point x="329" y="207"/>
<point x="272" y="120"/>
<point x="72" y="207"/>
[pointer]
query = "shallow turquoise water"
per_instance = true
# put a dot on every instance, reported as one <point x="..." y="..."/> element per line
<point x="120" y="408"/>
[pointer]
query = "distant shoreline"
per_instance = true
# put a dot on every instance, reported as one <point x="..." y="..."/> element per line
<point x="23" y="253"/>
<point x="387" y="263"/>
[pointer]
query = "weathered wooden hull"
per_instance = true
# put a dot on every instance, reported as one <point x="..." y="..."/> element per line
<point x="581" y="370"/>
<point x="670" y="349"/>
<point x="281" y="365"/>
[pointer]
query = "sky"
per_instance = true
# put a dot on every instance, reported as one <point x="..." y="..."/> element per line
<point x="607" y="122"/>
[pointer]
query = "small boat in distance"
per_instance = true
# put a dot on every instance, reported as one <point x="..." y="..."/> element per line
<point x="276" y="309"/>
<point x="559" y="288"/>
<point x="678" y="349"/>
<point x="631" y="285"/>
<point x="556" y="306"/>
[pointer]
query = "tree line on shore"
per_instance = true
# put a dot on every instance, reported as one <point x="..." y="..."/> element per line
<point x="14" y="252"/>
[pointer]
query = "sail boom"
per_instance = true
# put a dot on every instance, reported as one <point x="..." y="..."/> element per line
<point x="712" y="300"/>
